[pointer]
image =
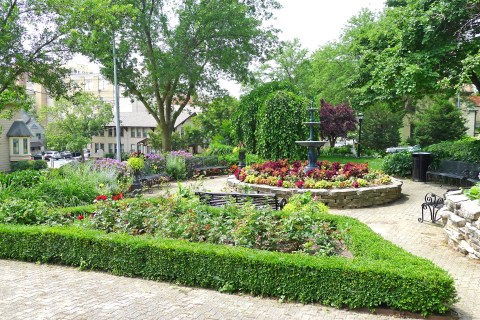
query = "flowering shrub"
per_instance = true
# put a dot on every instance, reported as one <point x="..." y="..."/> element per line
<point x="300" y="227"/>
<point x="283" y="173"/>
<point x="106" y="163"/>
<point x="181" y="153"/>
<point x="154" y="163"/>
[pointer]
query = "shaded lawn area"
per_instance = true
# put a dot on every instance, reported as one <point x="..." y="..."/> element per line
<point x="373" y="163"/>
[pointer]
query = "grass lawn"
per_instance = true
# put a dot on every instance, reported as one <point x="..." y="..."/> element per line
<point x="373" y="163"/>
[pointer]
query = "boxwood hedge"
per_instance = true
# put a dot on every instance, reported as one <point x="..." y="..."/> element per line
<point x="380" y="274"/>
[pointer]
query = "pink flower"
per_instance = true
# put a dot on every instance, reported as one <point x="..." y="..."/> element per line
<point x="299" y="184"/>
<point x="355" y="184"/>
<point x="280" y="183"/>
<point x="80" y="217"/>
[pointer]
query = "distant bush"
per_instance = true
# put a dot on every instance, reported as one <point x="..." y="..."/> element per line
<point x="399" y="164"/>
<point x="340" y="151"/>
<point x="29" y="165"/>
<point x="467" y="149"/>
<point x="175" y="167"/>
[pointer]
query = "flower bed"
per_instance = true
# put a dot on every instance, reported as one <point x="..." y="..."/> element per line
<point x="285" y="174"/>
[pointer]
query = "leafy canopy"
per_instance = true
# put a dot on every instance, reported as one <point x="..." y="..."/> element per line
<point x="72" y="123"/>
<point x="169" y="51"/>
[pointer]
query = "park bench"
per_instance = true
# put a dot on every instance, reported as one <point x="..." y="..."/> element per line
<point x="463" y="174"/>
<point x="202" y="165"/>
<point x="260" y="201"/>
<point x="151" y="181"/>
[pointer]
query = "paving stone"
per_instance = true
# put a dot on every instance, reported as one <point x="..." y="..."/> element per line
<point x="32" y="291"/>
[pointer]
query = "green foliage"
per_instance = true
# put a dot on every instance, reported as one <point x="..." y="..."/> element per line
<point x="399" y="164"/>
<point x="473" y="193"/>
<point x="381" y="128"/>
<point x="279" y="124"/>
<point x="19" y="211"/>
<point x="29" y="165"/>
<point x="441" y="121"/>
<point x="218" y="149"/>
<point x="176" y="167"/>
<point x="40" y="54"/>
<point x="215" y="120"/>
<point x="466" y="149"/>
<point x="381" y="274"/>
<point x="71" y="185"/>
<point x="220" y="37"/>
<point x="339" y="151"/>
<point x="72" y="123"/>
<point x="136" y="163"/>
<point x="246" y="117"/>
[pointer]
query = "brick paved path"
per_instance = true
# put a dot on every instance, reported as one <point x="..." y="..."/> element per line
<point x="31" y="291"/>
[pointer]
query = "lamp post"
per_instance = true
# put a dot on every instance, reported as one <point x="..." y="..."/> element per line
<point x="360" y="119"/>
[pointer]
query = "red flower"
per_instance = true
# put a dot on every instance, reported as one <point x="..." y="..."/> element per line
<point x="355" y="184"/>
<point x="299" y="184"/>
<point x="80" y="217"/>
<point x="117" y="197"/>
<point x="279" y="183"/>
<point x="101" y="197"/>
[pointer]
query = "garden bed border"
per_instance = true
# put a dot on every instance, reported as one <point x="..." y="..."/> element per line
<point x="334" y="198"/>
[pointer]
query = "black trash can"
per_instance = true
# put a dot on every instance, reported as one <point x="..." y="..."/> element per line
<point x="421" y="161"/>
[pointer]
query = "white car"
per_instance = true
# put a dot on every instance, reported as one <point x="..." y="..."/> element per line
<point x="52" y="154"/>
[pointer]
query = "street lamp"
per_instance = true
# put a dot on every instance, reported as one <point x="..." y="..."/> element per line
<point x="360" y="119"/>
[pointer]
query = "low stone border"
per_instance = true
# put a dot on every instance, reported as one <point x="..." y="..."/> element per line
<point x="334" y="198"/>
<point x="461" y="220"/>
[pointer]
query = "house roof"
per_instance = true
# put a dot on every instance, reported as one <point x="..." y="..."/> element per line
<point x="19" y="129"/>
<point x="146" y="120"/>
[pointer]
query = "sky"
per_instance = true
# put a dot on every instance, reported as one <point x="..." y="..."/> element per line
<point x="313" y="22"/>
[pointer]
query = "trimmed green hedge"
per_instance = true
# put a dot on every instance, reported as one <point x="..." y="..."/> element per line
<point x="381" y="274"/>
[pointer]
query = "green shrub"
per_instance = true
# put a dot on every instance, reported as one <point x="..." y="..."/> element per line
<point x="467" y="149"/>
<point x="381" y="274"/>
<point x="22" y="165"/>
<point x="218" y="149"/>
<point x="40" y="165"/>
<point x="399" y="164"/>
<point x="340" y="151"/>
<point x="19" y="211"/>
<point x="176" y="168"/>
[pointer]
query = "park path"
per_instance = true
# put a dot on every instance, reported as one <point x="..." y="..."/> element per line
<point x="33" y="291"/>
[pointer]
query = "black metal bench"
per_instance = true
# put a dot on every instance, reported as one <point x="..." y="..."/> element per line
<point x="151" y="181"/>
<point x="203" y="164"/>
<point x="463" y="174"/>
<point x="260" y="201"/>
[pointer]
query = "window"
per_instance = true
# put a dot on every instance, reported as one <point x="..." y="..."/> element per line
<point x="111" y="132"/>
<point x="122" y="149"/>
<point x="16" y="147"/>
<point x="121" y="132"/>
<point x="88" y="85"/>
<point x="145" y="132"/>
<point x="38" y="135"/>
<point x="132" y="132"/>
<point x="110" y="148"/>
<point x="102" y="146"/>
<point x="96" y="147"/>
<point x="139" y="147"/>
<point x="139" y="132"/>
<point x="25" y="146"/>
<point x="132" y="147"/>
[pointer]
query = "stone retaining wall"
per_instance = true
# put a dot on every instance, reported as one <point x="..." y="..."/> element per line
<point x="460" y="217"/>
<point x="334" y="198"/>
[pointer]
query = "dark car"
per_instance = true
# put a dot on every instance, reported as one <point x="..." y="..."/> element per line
<point x="37" y="156"/>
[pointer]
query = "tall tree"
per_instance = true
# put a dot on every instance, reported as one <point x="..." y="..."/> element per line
<point x="171" y="50"/>
<point x="381" y="127"/>
<point x="336" y="121"/>
<point x="30" y="46"/>
<point x="72" y="123"/>
<point x="288" y="63"/>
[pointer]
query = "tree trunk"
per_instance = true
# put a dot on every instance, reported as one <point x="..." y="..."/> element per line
<point x="166" y="139"/>
<point x="475" y="80"/>
<point x="332" y="141"/>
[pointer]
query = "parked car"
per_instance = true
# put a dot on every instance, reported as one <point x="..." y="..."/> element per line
<point x="37" y="156"/>
<point x="52" y="155"/>
<point x="66" y="155"/>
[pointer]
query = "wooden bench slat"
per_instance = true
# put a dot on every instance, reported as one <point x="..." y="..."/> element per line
<point x="258" y="200"/>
